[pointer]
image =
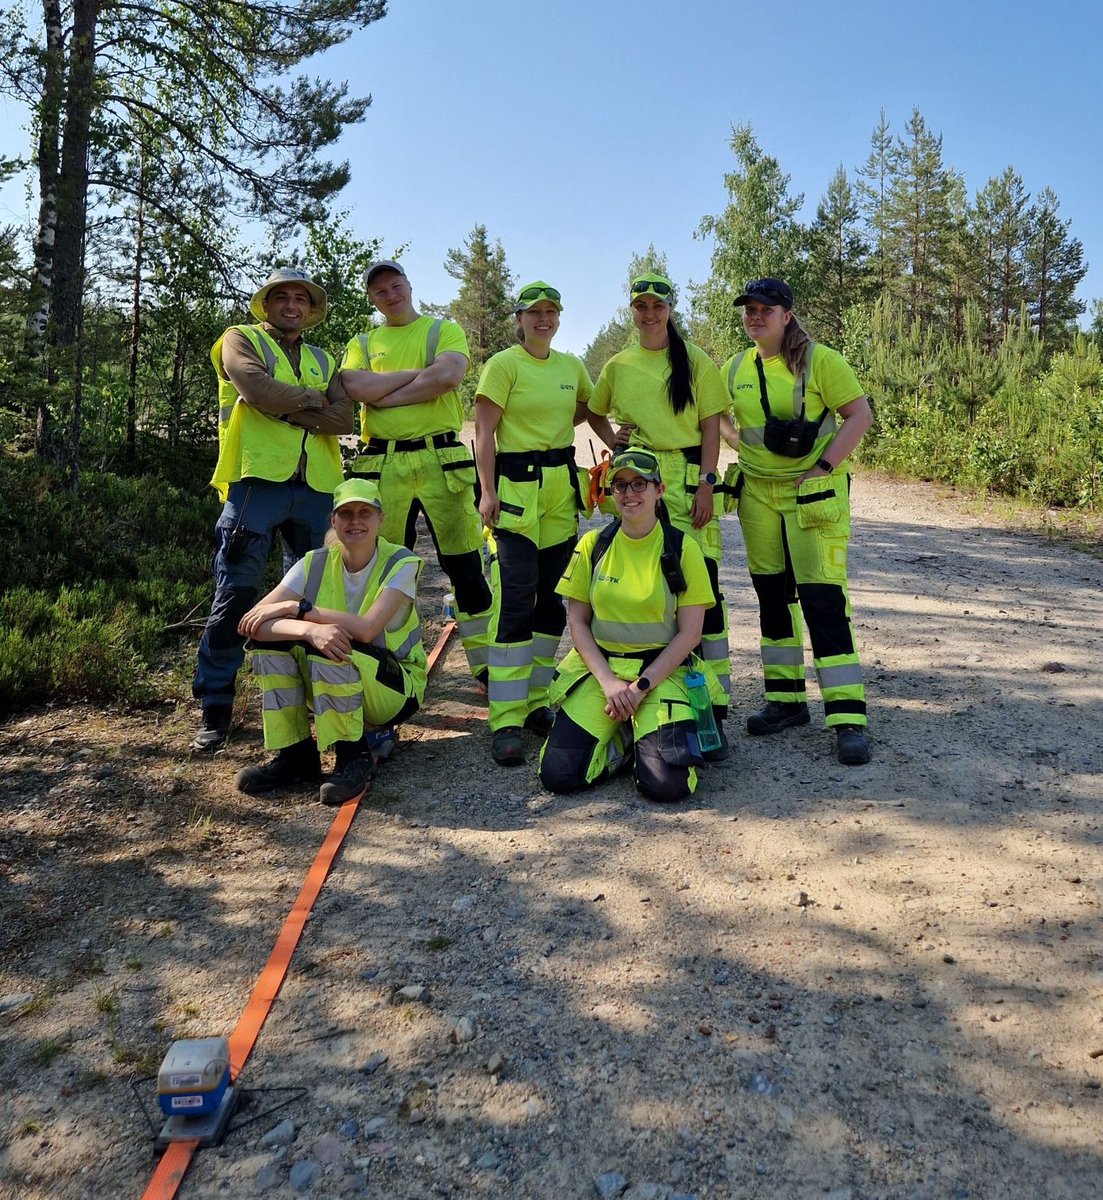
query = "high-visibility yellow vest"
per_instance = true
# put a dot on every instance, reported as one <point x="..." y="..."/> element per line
<point x="325" y="588"/>
<point x="256" y="445"/>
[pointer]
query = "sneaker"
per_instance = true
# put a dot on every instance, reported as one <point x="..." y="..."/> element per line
<point x="381" y="742"/>
<point x="299" y="763"/>
<point x="348" y="781"/>
<point x="540" y="720"/>
<point x="215" y="728"/>
<point x="777" y="716"/>
<point x="852" y="745"/>
<point x="507" y="747"/>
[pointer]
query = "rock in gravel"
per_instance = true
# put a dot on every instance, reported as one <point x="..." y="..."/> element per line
<point x="496" y="1064"/>
<point x="282" y="1135"/>
<point x="372" y="1127"/>
<point x="800" y="899"/>
<point x="304" y="1174"/>
<point x="463" y="1031"/>
<point x="840" y="1193"/>
<point x="410" y="993"/>
<point x="647" y="1191"/>
<point x="463" y="904"/>
<point x="487" y="1161"/>
<point x="327" y="1149"/>
<point x="15" y="1000"/>
<point x="268" y="1178"/>
<point x="373" y="1063"/>
<point x="610" y="1184"/>
<point x="349" y="1128"/>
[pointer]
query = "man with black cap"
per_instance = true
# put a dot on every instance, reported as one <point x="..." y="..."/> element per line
<point x="281" y="407"/>
<point x="406" y="373"/>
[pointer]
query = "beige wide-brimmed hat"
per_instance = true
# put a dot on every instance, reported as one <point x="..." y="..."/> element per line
<point x="290" y="275"/>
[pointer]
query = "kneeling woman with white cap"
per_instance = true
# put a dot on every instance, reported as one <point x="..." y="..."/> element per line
<point x="341" y="638"/>
<point x="638" y="591"/>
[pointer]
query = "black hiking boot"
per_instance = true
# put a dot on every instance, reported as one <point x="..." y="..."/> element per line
<point x="352" y="777"/>
<point x="212" y="734"/>
<point x="299" y="763"/>
<point x="540" y="720"/>
<point x="852" y="745"/>
<point x="507" y="747"/>
<point x="777" y="716"/>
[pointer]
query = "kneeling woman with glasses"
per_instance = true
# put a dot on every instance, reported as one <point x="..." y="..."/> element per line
<point x="671" y="397"/>
<point x="638" y="591"/>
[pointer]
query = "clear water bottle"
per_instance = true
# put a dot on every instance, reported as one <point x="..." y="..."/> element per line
<point x="449" y="609"/>
<point x="708" y="736"/>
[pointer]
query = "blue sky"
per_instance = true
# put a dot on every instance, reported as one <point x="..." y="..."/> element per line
<point x="578" y="132"/>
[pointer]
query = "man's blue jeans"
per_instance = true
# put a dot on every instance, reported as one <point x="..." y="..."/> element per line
<point x="295" y="511"/>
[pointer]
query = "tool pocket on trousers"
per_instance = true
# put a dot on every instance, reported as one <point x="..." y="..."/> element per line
<point x="817" y="504"/>
<point x="727" y="494"/>
<point x="458" y="467"/>
<point x="677" y="743"/>
<point x="367" y="466"/>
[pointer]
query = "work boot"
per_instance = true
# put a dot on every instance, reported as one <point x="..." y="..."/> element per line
<point x="852" y="745"/>
<point x="215" y="728"/>
<point x="777" y="716"/>
<point x="353" y="776"/>
<point x="299" y="763"/>
<point x="507" y="748"/>
<point x="540" y="720"/>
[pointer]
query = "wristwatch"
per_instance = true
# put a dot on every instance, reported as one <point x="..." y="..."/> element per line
<point x="824" y="465"/>
<point x="711" y="478"/>
<point x="304" y="607"/>
<point x="643" y="683"/>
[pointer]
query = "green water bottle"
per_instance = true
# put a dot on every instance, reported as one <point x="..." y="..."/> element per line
<point x="708" y="736"/>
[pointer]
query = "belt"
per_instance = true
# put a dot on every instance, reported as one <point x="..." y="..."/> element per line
<point x="437" y="440"/>
<point x="535" y="458"/>
<point x="689" y="453"/>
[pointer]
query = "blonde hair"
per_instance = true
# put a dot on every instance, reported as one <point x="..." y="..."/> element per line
<point x="793" y="343"/>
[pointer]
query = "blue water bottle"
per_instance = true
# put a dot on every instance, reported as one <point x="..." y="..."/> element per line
<point x="708" y="736"/>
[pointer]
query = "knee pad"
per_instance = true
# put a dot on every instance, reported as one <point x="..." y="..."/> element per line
<point x="773" y="606"/>
<point x="465" y="571"/>
<point x="663" y="761"/>
<point x="566" y="756"/>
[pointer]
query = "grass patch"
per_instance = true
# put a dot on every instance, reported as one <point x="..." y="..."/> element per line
<point x="107" y="1000"/>
<point x="29" y="1126"/>
<point x="439" y="942"/>
<point x="49" y="1048"/>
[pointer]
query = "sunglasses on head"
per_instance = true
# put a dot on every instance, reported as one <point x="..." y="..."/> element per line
<point x="643" y="286"/>
<point x="639" y="484"/>
<point x="535" y="293"/>
<point x="759" y="287"/>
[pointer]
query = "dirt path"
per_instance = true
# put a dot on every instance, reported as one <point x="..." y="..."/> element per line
<point x="810" y="981"/>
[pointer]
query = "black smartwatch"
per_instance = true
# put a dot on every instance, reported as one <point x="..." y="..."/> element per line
<point x="304" y="607"/>
<point x="711" y="478"/>
<point x="643" y="683"/>
<point x="824" y="465"/>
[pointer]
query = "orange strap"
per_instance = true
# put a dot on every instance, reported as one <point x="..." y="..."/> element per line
<point x="598" y="473"/>
<point x="177" y="1158"/>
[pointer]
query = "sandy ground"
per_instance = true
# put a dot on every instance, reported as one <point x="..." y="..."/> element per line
<point x="808" y="981"/>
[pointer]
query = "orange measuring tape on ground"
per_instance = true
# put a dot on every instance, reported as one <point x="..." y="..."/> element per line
<point x="177" y="1158"/>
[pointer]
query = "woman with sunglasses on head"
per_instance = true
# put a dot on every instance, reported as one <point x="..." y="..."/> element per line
<point x="671" y="395"/>
<point x="801" y="413"/>
<point x="638" y="591"/>
<point x="528" y="400"/>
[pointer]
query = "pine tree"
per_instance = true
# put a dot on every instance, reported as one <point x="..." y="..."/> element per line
<point x="484" y="304"/>
<point x="756" y="235"/>
<point x="1054" y="267"/>
<point x="838" y="272"/>
<point x="874" y="182"/>
<point x="998" y="225"/>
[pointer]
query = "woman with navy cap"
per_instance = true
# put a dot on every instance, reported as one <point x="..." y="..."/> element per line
<point x="528" y="400"/>
<point x="670" y="394"/>
<point x="801" y="413"/>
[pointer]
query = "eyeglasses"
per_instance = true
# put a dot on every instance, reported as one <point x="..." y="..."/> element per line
<point x="639" y="484"/>
<point x="642" y="286"/>
<point x="536" y="293"/>
<point x="761" y="287"/>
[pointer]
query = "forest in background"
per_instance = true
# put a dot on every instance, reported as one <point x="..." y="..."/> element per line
<point x="179" y="151"/>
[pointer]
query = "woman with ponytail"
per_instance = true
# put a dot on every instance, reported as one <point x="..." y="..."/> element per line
<point x="801" y="413"/>
<point x="670" y="394"/>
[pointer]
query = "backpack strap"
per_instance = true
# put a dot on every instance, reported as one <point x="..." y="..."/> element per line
<point x="670" y="560"/>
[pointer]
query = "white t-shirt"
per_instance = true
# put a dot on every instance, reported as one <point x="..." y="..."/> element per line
<point x="356" y="584"/>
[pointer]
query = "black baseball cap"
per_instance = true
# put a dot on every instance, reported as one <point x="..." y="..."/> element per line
<point x="767" y="291"/>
